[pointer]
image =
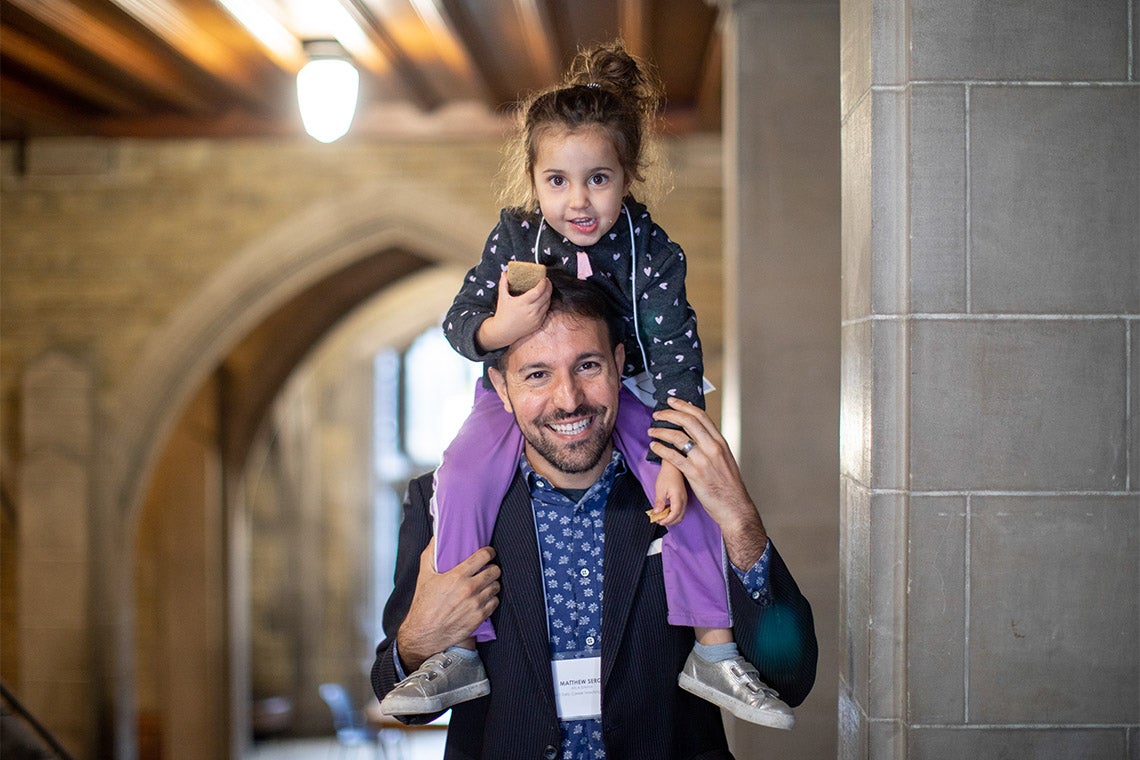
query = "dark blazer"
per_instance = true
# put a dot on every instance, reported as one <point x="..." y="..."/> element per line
<point x="645" y="715"/>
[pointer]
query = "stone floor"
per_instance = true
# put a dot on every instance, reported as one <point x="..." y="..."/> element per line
<point x="398" y="745"/>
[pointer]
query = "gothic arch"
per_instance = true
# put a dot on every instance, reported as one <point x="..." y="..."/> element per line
<point x="264" y="275"/>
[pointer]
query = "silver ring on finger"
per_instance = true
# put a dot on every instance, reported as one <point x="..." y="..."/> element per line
<point x="689" y="446"/>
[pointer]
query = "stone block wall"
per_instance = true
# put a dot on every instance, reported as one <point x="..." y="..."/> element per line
<point x="991" y="527"/>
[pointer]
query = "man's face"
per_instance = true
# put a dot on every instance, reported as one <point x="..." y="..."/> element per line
<point x="562" y="383"/>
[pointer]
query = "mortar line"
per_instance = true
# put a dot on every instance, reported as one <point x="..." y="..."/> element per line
<point x="1020" y="726"/>
<point x="1131" y="37"/>
<point x="996" y="493"/>
<point x="983" y="317"/>
<point x="1129" y="453"/>
<point x="966" y="612"/>
<point x="1012" y="83"/>
<point x="969" y="194"/>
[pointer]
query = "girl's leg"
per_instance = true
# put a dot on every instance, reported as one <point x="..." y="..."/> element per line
<point x="469" y="485"/>
<point x="692" y="552"/>
<point x="696" y="590"/>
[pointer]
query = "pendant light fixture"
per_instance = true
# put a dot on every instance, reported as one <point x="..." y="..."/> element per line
<point x="327" y="90"/>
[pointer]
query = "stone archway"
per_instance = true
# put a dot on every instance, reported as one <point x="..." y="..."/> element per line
<point x="266" y="274"/>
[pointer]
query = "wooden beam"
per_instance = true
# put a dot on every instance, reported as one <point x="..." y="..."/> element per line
<point x="417" y="87"/>
<point x="131" y="59"/>
<point x="634" y="25"/>
<point x="200" y="46"/>
<point x="499" y="90"/>
<point x="32" y="107"/>
<point x="262" y="24"/>
<point x="64" y="73"/>
<point x="236" y="123"/>
<point x="540" y="37"/>
<point x="462" y="74"/>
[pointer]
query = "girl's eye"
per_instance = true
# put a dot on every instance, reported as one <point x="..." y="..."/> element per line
<point x="599" y="179"/>
<point x="557" y="181"/>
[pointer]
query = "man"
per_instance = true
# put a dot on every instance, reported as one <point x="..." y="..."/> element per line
<point x="595" y="680"/>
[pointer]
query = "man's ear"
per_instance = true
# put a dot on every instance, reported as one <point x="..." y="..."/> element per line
<point x="619" y="358"/>
<point x="500" y="384"/>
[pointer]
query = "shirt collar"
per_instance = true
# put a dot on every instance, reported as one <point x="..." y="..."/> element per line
<point x="537" y="484"/>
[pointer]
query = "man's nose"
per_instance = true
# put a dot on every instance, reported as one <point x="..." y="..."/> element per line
<point x="568" y="393"/>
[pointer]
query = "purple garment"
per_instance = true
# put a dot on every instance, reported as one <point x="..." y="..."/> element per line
<point x="480" y="464"/>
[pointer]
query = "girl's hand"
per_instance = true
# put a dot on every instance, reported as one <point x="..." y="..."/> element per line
<point x="515" y="316"/>
<point x="670" y="498"/>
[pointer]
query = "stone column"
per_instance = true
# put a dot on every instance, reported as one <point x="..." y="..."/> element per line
<point x="54" y="564"/>
<point x="781" y="285"/>
<point x="185" y="506"/>
<point x="991" y="184"/>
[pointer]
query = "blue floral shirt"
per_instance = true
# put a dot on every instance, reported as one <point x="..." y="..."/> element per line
<point x="571" y="540"/>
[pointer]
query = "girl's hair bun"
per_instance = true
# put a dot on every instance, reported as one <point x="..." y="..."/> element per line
<point x="611" y="67"/>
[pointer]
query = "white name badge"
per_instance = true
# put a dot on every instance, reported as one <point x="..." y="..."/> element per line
<point x="578" y="687"/>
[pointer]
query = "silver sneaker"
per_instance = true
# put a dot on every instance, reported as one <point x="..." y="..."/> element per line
<point x="445" y="679"/>
<point x="735" y="685"/>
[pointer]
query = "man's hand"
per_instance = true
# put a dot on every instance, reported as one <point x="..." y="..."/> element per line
<point x="447" y="607"/>
<point x="714" y="476"/>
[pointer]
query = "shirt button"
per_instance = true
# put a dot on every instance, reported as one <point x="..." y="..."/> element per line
<point x="755" y="594"/>
<point x="584" y="572"/>
<point x="550" y="752"/>
<point x="589" y="641"/>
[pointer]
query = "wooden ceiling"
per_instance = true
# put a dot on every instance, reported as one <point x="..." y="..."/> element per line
<point x="189" y="68"/>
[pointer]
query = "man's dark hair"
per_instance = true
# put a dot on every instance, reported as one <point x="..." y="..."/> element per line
<point x="579" y="298"/>
<point x="583" y="298"/>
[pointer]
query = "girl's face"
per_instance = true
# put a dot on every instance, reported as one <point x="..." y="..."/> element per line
<point x="579" y="182"/>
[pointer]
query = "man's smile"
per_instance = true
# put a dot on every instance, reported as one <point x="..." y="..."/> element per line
<point x="571" y="428"/>
<point x="573" y="423"/>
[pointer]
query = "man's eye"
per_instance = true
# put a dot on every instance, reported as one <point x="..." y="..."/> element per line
<point x="590" y="366"/>
<point x="535" y="376"/>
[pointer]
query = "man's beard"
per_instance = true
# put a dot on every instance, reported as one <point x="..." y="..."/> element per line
<point x="578" y="456"/>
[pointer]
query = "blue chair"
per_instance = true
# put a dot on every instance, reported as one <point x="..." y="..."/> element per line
<point x="352" y="730"/>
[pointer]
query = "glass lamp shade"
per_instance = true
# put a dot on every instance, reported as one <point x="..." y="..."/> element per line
<point x="326" y="92"/>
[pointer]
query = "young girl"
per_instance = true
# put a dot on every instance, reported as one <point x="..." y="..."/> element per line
<point x="581" y="146"/>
